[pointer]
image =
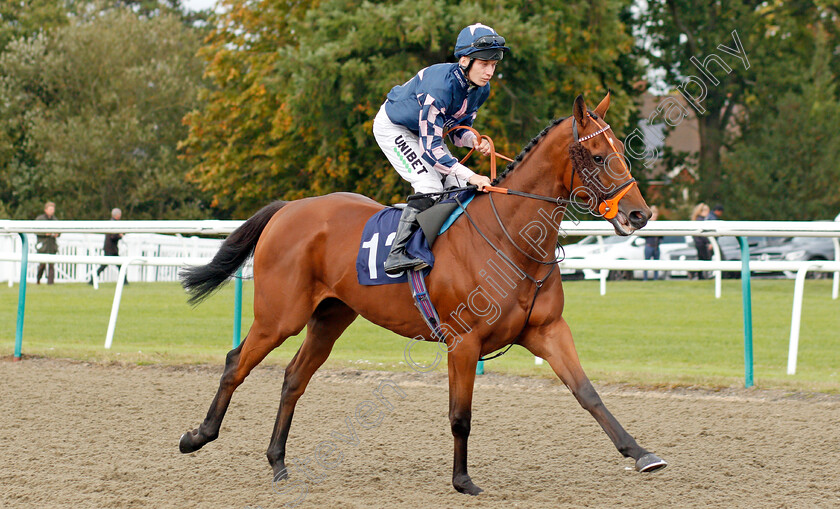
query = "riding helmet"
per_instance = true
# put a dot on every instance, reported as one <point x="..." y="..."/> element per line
<point x="481" y="42"/>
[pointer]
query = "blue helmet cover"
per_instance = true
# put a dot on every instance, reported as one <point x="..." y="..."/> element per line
<point x="480" y="41"/>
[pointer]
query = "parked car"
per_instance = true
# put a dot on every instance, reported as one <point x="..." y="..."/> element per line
<point x="590" y="245"/>
<point x="616" y="248"/>
<point x="798" y="249"/>
<point x="730" y="249"/>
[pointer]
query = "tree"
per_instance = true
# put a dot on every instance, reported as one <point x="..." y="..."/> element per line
<point x="241" y="144"/>
<point x="777" y="41"/>
<point x="24" y="19"/>
<point x="296" y="86"/>
<point x="90" y="117"/>
<point x="788" y="165"/>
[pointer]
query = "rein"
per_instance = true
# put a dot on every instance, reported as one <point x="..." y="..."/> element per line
<point x="501" y="190"/>
<point x="537" y="282"/>
<point x="477" y="138"/>
<point x="494" y="154"/>
<point x="607" y="206"/>
<point x="607" y="202"/>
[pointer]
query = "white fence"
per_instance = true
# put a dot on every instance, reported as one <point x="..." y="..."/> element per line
<point x="89" y="261"/>
<point x="153" y="251"/>
<point x="710" y="229"/>
<point x="72" y="246"/>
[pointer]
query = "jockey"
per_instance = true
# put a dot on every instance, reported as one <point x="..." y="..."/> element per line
<point x="410" y="125"/>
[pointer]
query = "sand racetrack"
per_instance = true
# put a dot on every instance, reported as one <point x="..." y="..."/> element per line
<point x="85" y="435"/>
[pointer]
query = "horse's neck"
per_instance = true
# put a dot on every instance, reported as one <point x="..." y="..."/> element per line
<point x="533" y="224"/>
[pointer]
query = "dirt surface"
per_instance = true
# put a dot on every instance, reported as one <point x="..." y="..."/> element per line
<point x="85" y="435"/>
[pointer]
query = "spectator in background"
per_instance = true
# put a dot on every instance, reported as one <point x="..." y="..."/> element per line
<point x="715" y="214"/>
<point x="652" y="244"/>
<point x="111" y="246"/>
<point x="47" y="244"/>
<point x="701" y="211"/>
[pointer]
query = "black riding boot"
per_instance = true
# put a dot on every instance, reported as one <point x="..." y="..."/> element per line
<point x="398" y="259"/>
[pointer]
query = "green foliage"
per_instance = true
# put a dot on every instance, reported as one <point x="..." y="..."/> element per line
<point x="788" y="165"/>
<point x="21" y="19"/>
<point x="779" y="39"/>
<point x="90" y="117"/>
<point x="24" y="19"/>
<point x="296" y="86"/>
<point x="95" y="96"/>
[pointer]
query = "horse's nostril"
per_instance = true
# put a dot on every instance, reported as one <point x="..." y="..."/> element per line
<point x="637" y="219"/>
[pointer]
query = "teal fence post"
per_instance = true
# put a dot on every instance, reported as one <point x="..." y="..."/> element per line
<point x="747" y="296"/>
<point x="237" y="309"/>
<point x="24" y="261"/>
<point x="479" y="368"/>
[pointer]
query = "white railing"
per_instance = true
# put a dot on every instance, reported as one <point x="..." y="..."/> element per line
<point x="122" y="262"/>
<point x="606" y="265"/>
<point x="145" y="245"/>
<point x="655" y="228"/>
<point x="25" y="228"/>
<point x="205" y="227"/>
<point x="721" y="229"/>
<point x="715" y="228"/>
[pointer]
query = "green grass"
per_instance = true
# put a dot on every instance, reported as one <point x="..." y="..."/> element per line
<point x="660" y="333"/>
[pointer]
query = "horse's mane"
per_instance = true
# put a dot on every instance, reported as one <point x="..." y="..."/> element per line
<point x="513" y="164"/>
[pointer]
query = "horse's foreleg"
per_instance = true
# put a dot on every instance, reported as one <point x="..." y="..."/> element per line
<point x="554" y="343"/>
<point x="461" y="362"/>
<point x="330" y="319"/>
<point x="238" y="364"/>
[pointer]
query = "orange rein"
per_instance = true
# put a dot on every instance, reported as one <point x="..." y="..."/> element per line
<point x="493" y="153"/>
<point x="607" y="208"/>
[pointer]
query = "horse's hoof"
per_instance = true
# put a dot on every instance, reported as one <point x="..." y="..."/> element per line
<point x="186" y="444"/>
<point x="280" y="473"/>
<point x="466" y="486"/>
<point x="650" y="463"/>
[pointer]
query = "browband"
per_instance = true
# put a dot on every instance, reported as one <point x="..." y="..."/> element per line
<point x="588" y="136"/>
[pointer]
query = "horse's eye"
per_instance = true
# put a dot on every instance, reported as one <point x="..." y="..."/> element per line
<point x="598" y="159"/>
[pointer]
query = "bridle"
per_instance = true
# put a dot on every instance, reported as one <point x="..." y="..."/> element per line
<point x="607" y="207"/>
<point x="607" y="202"/>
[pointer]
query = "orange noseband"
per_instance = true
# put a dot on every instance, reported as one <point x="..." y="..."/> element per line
<point x="609" y="207"/>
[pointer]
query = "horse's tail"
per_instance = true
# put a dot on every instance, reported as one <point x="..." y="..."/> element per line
<point x="202" y="281"/>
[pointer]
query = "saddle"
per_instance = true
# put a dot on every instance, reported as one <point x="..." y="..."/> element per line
<point x="433" y="219"/>
<point x="378" y="235"/>
<point x="440" y="216"/>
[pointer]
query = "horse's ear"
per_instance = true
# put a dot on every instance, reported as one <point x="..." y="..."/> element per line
<point x="602" y="108"/>
<point x="579" y="110"/>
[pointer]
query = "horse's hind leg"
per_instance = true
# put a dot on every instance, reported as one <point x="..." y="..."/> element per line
<point x="554" y="343"/>
<point x="328" y="321"/>
<point x="265" y="335"/>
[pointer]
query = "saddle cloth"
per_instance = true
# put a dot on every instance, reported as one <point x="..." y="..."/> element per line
<point x="381" y="228"/>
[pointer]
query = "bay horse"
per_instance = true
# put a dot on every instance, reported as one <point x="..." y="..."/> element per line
<point x="304" y="275"/>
